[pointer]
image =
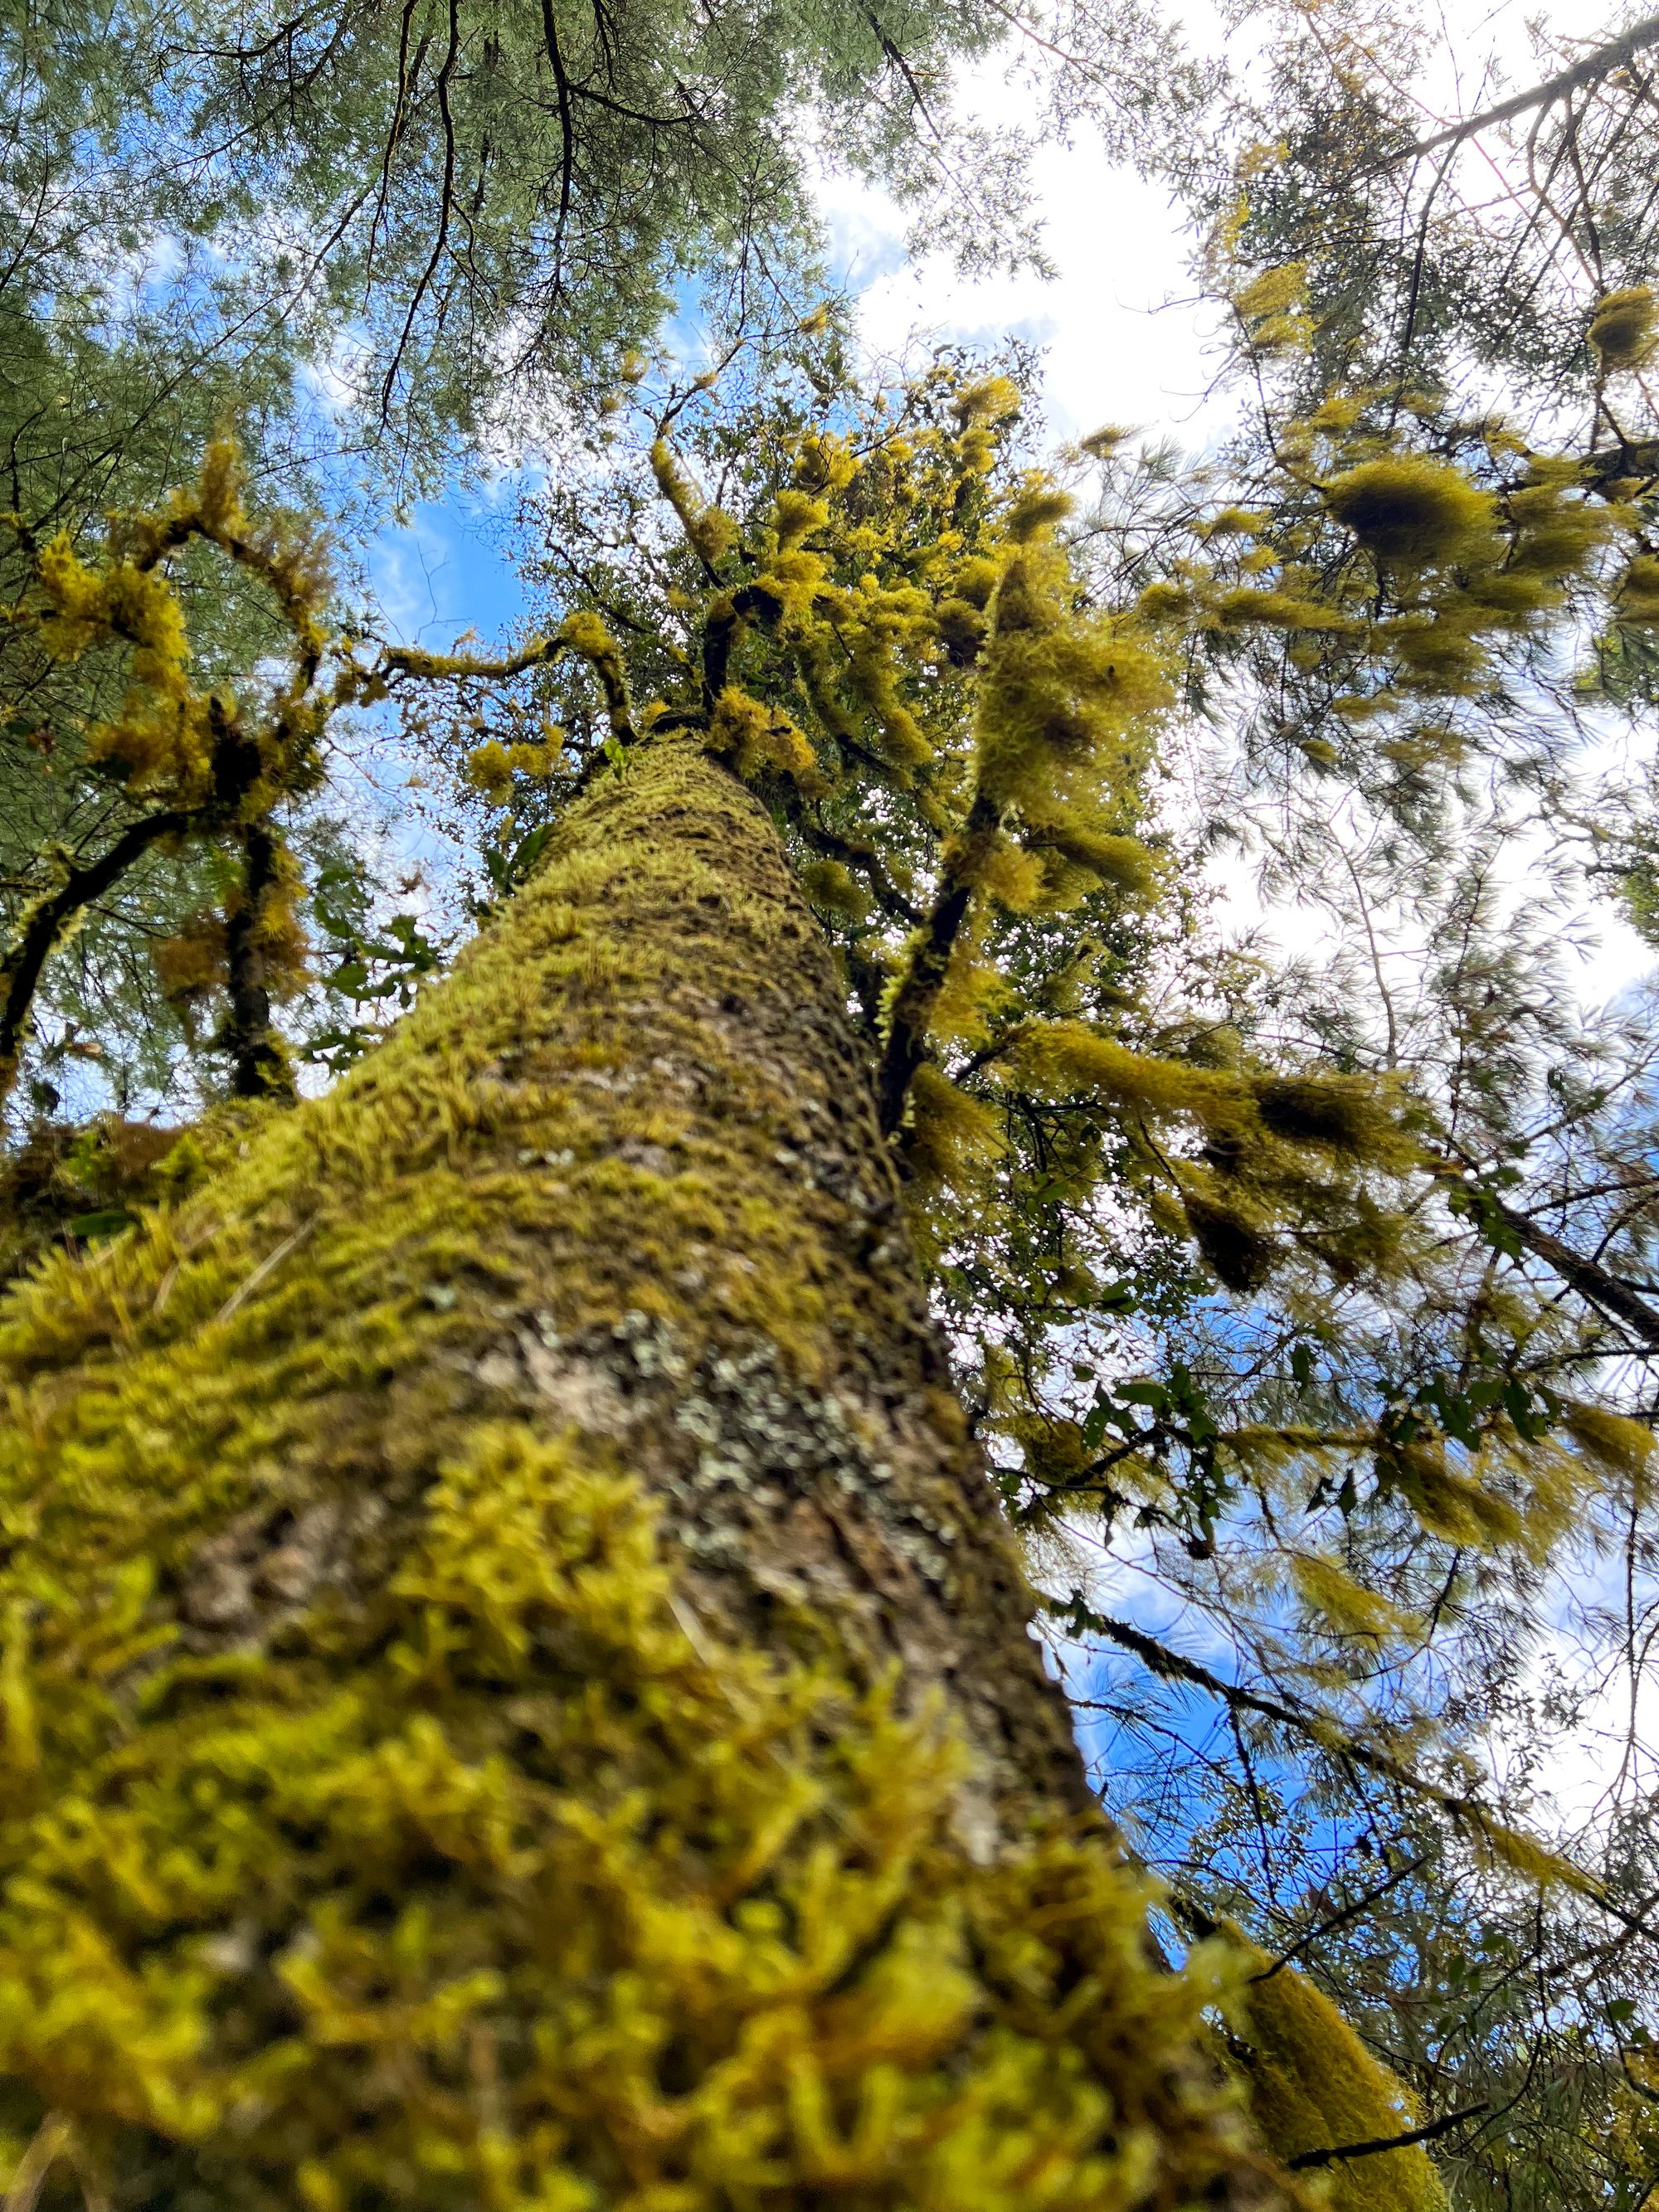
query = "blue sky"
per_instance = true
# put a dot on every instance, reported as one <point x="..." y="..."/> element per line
<point x="447" y="571"/>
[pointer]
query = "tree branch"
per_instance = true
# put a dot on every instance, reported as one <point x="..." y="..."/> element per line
<point x="1594" y="65"/>
<point x="1175" y="1666"/>
<point x="1306" y="2162"/>
<point x="918" y="994"/>
<point x="1340" y="1918"/>
<point x="19" y="972"/>
<point x="1592" y="1281"/>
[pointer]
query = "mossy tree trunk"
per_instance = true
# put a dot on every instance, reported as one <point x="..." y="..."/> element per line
<point x="516" y="1688"/>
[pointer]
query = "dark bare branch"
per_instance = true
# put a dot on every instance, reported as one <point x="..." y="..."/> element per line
<point x="19" y="973"/>
<point x="918" y="994"/>
<point x="1308" y="2161"/>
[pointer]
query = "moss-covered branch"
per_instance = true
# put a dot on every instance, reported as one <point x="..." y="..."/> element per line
<point x="258" y="923"/>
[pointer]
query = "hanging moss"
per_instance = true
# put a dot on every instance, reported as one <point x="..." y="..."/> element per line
<point x="1637" y="600"/>
<point x="1449" y="1503"/>
<point x="1347" y="1606"/>
<point x="830" y="885"/>
<point x="1612" y="1441"/>
<point x="1348" y="1115"/>
<point x="1102" y="855"/>
<point x="950" y="1133"/>
<point x="1066" y="702"/>
<point x="1315" y="2086"/>
<point x="1413" y="510"/>
<point x="1273" y="308"/>
<point x="1622" y="328"/>
<point x="1235" y="1246"/>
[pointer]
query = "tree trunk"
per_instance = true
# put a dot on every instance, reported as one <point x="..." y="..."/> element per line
<point x="517" y="1690"/>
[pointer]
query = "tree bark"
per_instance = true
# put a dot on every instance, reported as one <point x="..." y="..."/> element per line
<point x="249" y="1038"/>
<point x="517" y="1690"/>
<point x="1592" y="1281"/>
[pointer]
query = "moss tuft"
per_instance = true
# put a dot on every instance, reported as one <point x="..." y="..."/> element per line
<point x="1345" y="1115"/>
<point x="1234" y="1247"/>
<point x="1413" y="510"/>
<point x="1622" y="328"/>
<point x="1315" y="2086"/>
<point x="1450" y="1504"/>
<point x="1613" y="1441"/>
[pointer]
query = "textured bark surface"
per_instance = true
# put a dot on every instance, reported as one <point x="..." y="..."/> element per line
<point x="516" y="1690"/>
<point x="780" y="1383"/>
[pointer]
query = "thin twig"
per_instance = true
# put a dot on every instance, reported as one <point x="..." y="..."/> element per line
<point x="246" y="1290"/>
<point x="1599" y="64"/>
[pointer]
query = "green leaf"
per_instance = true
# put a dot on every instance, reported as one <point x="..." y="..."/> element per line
<point x="98" y="1228"/>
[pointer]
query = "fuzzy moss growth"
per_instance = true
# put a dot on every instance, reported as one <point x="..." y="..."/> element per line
<point x="1314" y="2086"/>
<point x="510" y="1893"/>
<point x="1613" y="1442"/>
<point x="1411" y="509"/>
<point x="393" y="1812"/>
<point x="1621" y="330"/>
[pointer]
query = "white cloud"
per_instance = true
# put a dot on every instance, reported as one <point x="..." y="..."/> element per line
<point x="1123" y="340"/>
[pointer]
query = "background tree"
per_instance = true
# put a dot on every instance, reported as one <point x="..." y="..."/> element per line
<point x="1384" y="265"/>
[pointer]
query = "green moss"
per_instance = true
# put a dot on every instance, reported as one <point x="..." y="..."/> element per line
<point x="1067" y="704"/>
<point x="505" y="1889"/>
<point x="1235" y="1245"/>
<point x="1637" y="598"/>
<point x="1612" y="1441"/>
<point x="1315" y="2086"/>
<point x="1412" y="509"/>
<point x="1347" y="1115"/>
<point x="1449" y="1503"/>
<point x="1622" y="328"/>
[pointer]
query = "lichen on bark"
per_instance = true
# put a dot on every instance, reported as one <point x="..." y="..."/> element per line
<point x="515" y="1691"/>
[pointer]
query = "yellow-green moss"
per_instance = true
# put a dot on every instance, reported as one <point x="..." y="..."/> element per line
<point x="1622" y="328"/>
<point x="1410" y="508"/>
<point x="508" y="1893"/>
<point x="1346" y="1606"/>
<point x="1315" y="2086"/>
<point x="1612" y="1441"/>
